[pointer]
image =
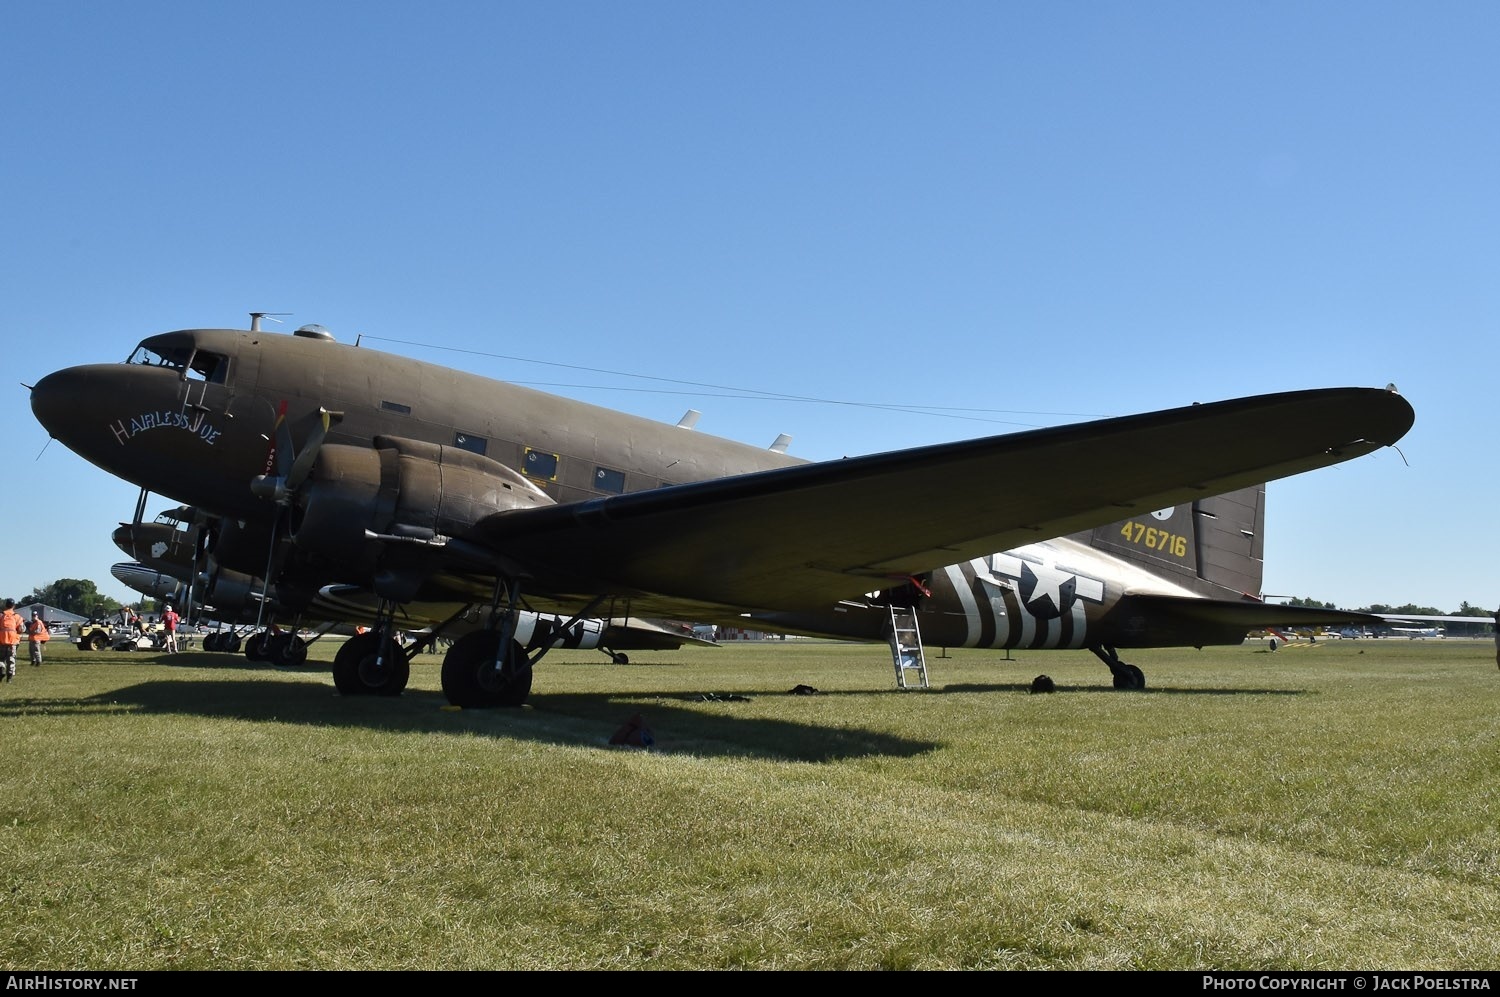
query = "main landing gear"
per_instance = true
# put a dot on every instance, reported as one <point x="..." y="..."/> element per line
<point x="277" y="647"/>
<point x="222" y="640"/>
<point x="490" y="667"/>
<point x="371" y="664"/>
<point x="486" y="668"/>
<point x="1127" y="676"/>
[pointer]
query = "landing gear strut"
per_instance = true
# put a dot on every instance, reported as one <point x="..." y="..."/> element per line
<point x="1127" y="676"/>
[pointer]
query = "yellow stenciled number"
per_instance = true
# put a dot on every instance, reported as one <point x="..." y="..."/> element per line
<point x="1150" y="536"/>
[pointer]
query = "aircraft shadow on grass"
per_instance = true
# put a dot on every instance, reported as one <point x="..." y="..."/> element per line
<point x="208" y="660"/>
<point x="563" y="719"/>
<point x="677" y="719"/>
<point x="1155" y="691"/>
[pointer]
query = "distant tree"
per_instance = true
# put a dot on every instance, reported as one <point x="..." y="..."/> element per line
<point x="1468" y="610"/>
<point x="75" y="595"/>
<point x="1311" y="603"/>
<point x="1407" y="610"/>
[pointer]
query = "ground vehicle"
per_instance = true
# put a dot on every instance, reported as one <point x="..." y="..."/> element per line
<point x="95" y="636"/>
<point x="92" y="636"/>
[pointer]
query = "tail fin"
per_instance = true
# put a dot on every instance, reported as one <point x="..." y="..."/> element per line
<point x="1214" y="546"/>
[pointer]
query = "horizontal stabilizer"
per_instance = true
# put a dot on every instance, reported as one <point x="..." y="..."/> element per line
<point x="635" y="634"/>
<point x="1250" y="615"/>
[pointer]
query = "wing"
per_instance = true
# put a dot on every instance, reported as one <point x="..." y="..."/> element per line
<point x="813" y="533"/>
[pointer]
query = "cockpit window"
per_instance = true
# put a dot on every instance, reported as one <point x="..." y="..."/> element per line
<point x="212" y="367"/>
<point x="195" y="365"/>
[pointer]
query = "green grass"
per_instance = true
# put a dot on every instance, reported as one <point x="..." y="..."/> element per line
<point x="1321" y="807"/>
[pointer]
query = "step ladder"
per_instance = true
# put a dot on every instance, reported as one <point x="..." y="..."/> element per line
<point x="906" y="649"/>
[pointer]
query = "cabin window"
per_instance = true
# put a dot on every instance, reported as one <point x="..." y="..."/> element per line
<point x="607" y="479"/>
<point x="471" y="443"/>
<point x="540" y="465"/>
<point x="396" y="407"/>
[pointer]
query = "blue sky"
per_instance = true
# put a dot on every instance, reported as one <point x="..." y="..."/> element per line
<point x="1022" y="215"/>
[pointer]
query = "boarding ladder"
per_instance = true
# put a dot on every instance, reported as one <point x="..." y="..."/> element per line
<point x="906" y="649"/>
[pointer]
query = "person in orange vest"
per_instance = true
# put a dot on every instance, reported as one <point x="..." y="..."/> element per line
<point x="10" y="637"/>
<point x="36" y="636"/>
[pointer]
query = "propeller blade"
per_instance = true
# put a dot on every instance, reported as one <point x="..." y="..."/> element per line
<point x="302" y="466"/>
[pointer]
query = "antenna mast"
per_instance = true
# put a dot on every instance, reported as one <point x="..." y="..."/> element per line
<point x="255" y="318"/>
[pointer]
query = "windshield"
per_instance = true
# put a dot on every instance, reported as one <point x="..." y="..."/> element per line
<point x="182" y="355"/>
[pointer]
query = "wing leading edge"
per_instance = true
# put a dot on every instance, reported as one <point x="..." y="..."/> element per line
<point x="813" y="533"/>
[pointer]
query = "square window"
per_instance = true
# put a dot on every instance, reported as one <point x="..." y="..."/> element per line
<point x="540" y="464"/>
<point x="609" y="480"/>
<point x="471" y="443"/>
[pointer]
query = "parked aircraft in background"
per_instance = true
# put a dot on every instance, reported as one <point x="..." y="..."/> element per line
<point x="1408" y="625"/>
<point x="332" y="468"/>
<point x="1416" y="633"/>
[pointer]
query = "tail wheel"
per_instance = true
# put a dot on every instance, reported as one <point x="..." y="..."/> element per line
<point x="358" y="670"/>
<point x="471" y="680"/>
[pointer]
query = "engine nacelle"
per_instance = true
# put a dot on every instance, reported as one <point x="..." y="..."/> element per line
<point x="401" y="488"/>
<point x="234" y="594"/>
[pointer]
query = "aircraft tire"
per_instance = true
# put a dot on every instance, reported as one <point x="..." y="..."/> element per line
<point x="354" y="671"/>
<point x="289" y="651"/>
<point x="391" y="678"/>
<point x="258" y="647"/>
<point x="231" y="644"/>
<point x="1129" y="677"/>
<point x="470" y="682"/>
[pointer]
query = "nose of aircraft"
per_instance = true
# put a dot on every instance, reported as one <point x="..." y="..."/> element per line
<point x="124" y="538"/>
<point x="57" y="398"/>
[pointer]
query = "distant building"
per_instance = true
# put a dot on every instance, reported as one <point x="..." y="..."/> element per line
<point x="51" y="614"/>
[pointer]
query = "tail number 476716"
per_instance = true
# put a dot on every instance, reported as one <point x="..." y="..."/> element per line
<point x="1149" y="536"/>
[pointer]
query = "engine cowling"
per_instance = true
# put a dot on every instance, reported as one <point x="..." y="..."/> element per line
<point x="234" y="595"/>
<point x="403" y="488"/>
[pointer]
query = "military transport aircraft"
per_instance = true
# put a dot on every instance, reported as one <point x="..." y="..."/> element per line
<point x="326" y="466"/>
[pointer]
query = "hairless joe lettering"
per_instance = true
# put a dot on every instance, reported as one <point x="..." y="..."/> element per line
<point x="195" y="423"/>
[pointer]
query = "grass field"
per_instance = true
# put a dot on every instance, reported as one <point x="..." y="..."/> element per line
<point x="1326" y="807"/>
